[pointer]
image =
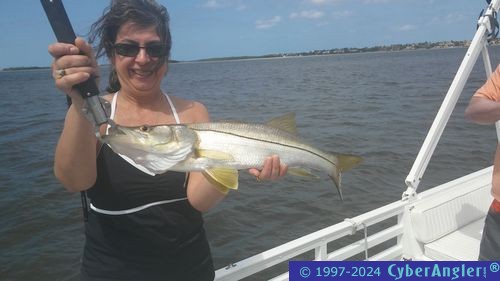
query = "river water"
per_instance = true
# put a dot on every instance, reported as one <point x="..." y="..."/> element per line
<point x="377" y="105"/>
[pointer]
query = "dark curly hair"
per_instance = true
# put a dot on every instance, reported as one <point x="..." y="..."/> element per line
<point x="144" y="13"/>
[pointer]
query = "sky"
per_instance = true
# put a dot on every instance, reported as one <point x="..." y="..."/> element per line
<point x="222" y="28"/>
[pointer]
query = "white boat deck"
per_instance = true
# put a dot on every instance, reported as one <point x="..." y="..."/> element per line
<point x="442" y="223"/>
<point x="460" y="245"/>
<point x="448" y="224"/>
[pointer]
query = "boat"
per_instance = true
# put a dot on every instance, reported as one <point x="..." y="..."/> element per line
<point x="441" y="223"/>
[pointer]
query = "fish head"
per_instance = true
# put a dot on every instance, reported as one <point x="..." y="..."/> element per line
<point x="155" y="147"/>
<point x="147" y="137"/>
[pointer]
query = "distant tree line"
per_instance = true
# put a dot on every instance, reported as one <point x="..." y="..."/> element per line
<point x="25" y="68"/>
<point x="391" y="48"/>
<point x="387" y="48"/>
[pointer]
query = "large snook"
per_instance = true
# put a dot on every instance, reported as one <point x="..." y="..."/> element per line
<point x="219" y="149"/>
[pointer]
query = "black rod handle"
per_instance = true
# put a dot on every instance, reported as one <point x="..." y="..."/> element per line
<point x="65" y="34"/>
<point x="59" y="21"/>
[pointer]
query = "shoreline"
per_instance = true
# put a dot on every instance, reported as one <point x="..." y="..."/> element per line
<point x="337" y="51"/>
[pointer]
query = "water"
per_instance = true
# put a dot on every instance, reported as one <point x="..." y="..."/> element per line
<point x="378" y="105"/>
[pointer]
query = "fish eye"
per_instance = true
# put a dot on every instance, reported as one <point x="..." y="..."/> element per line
<point x="144" y="128"/>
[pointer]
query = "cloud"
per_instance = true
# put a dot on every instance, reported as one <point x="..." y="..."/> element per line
<point x="267" y="23"/>
<point x="311" y="14"/>
<point x="323" y="2"/>
<point x="341" y="14"/>
<point x="408" y="27"/>
<point x="376" y="1"/>
<point x="328" y="2"/>
<point x="451" y="18"/>
<point x="217" y="4"/>
<point x="454" y="18"/>
<point x="213" y="4"/>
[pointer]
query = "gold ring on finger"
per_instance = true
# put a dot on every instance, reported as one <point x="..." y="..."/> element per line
<point x="60" y="73"/>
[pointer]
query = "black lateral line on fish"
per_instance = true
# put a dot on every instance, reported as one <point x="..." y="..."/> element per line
<point x="272" y="142"/>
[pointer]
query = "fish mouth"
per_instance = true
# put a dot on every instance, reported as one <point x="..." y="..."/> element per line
<point x="115" y="131"/>
<point x="122" y="134"/>
<point x="143" y="135"/>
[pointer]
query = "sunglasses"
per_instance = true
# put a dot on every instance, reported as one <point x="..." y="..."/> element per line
<point x="131" y="50"/>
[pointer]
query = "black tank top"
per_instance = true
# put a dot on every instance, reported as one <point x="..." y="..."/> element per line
<point x="160" y="242"/>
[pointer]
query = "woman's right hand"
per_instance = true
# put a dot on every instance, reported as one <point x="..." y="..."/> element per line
<point x="78" y="64"/>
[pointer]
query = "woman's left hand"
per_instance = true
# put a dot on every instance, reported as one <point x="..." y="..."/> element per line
<point x="272" y="169"/>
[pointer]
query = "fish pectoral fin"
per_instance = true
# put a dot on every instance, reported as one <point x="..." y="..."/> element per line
<point x="301" y="172"/>
<point x="285" y="122"/>
<point x="213" y="154"/>
<point x="223" y="178"/>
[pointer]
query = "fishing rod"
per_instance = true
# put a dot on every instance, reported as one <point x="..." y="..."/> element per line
<point x="59" y="21"/>
<point x="63" y="30"/>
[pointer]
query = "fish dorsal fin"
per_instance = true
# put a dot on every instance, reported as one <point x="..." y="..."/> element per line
<point x="285" y="122"/>
<point x="222" y="178"/>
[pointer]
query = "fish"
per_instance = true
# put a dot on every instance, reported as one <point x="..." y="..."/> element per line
<point x="220" y="149"/>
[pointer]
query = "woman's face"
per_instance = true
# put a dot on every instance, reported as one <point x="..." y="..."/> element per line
<point x="139" y="74"/>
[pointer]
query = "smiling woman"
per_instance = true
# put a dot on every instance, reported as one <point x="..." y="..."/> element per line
<point x="118" y="34"/>
<point x="142" y="72"/>
<point x="140" y="226"/>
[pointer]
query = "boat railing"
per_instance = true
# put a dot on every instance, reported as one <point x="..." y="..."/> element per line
<point x="385" y="233"/>
<point x="319" y="241"/>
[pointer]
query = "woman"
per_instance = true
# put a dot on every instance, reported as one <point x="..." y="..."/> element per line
<point x="140" y="226"/>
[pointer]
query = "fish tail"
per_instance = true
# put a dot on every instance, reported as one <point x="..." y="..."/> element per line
<point x="344" y="162"/>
